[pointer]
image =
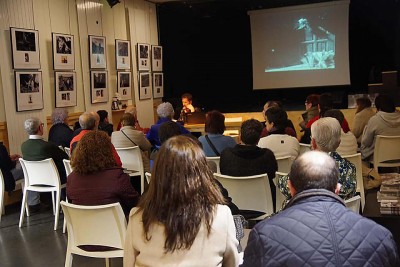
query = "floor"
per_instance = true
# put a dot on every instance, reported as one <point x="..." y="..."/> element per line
<point x="36" y="244"/>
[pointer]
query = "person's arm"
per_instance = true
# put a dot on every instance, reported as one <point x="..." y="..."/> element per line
<point x="231" y="255"/>
<point x="253" y="255"/>
<point x="117" y="159"/>
<point x="6" y="162"/>
<point x="358" y="128"/>
<point x="130" y="252"/>
<point x="368" y="134"/>
<point x="143" y="143"/>
<point x="126" y="193"/>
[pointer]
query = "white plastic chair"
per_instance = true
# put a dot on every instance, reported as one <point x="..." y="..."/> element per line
<point x="103" y="225"/>
<point x="41" y="176"/>
<point x="216" y="161"/>
<point x="18" y="182"/>
<point x="353" y="203"/>
<point x="284" y="164"/>
<point x="356" y="160"/>
<point x="148" y="177"/>
<point x="68" y="170"/>
<point x="386" y="152"/>
<point x="68" y="151"/>
<point x="131" y="158"/>
<point x="280" y="198"/>
<point x="249" y="192"/>
<point x="304" y="148"/>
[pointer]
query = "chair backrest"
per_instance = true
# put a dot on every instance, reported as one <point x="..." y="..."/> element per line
<point x="43" y="172"/>
<point x="68" y="151"/>
<point x="284" y="164"/>
<point x="216" y="161"/>
<point x="356" y="160"/>
<point x="67" y="166"/>
<point x="304" y="148"/>
<point x="1" y="193"/>
<point x="280" y="198"/>
<point x="103" y="225"/>
<point x="148" y="176"/>
<point x="131" y="158"/>
<point x="386" y="151"/>
<point x="353" y="203"/>
<point x="249" y="192"/>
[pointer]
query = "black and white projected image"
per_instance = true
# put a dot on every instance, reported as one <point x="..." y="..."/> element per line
<point x="25" y="41"/>
<point x="29" y="83"/>
<point x="63" y="44"/>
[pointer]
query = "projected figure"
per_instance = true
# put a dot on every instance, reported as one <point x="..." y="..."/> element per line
<point x="318" y="49"/>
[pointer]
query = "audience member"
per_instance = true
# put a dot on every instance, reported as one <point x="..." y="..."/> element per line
<point x="326" y="134"/>
<point x="11" y="169"/>
<point x="96" y="179"/>
<point x="132" y="110"/>
<point x="214" y="141"/>
<point x="104" y="124"/>
<point x="363" y="113"/>
<point x="277" y="140"/>
<point x="312" y="111"/>
<point x="247" y="158"/>
<point x="165" y="112"/>
<point x="348" y="142"/>
<point x="129" y="136"/>
<point x="180" y="220"/>
<point x="385" y="122"/>
<point x="316" y="228"/>
<point x="36" y="149"/>
<point x="289" y="127"/>
<point x="89" y="121"/>
<point x="60" y="133"/>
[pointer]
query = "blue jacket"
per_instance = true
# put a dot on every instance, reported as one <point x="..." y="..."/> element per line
<point x="316" y="229"/>
<point x="152" y="135"/>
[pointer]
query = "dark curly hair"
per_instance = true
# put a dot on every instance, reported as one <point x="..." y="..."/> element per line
<point x="215" y="122"/>
<point x="93" y="153"/>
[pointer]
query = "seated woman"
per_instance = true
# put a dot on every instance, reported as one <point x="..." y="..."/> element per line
<point x="289" y="127"/>
<point x="60" y="133"/>
<point x="214" y="141"/>
<point x="96" y="179"/>
<point x="181" y="219"/>
<point x="363" y="113"/>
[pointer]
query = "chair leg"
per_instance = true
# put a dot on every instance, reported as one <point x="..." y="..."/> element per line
<point x="53" y="200"/>
<point x="107" y="262"/>
<point x="57" y="209"/>
<point x="68" y="259"/>
<point x="23" y="207"/>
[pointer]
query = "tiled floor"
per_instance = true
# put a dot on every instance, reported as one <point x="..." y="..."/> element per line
<point x="36" y="244"/>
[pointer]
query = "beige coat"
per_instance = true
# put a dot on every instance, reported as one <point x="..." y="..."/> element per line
<point x="217" y="249"/>
<point x="360" y="120"/>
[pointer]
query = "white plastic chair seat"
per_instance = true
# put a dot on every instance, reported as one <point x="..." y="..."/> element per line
<point x="304" y="148"/>
<point x="353" y="203"/>
<point x="386" y="152"/>
<point x="103" y="225"/>
<point x="18" y="185"/>
<point x="131" y="158"/>
<point x="284" y="163"/>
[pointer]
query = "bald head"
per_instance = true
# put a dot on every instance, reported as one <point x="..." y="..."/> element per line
<point x="313" y="170"/>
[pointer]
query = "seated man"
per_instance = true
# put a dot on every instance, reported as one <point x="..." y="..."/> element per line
<point x="325" y="134"/>
<point x="35" y="149"/>
<point x="104" y="124"/>
<point x="247" y="158"/>
<point x="11" y="169"/>
<point x="316" y="228"/>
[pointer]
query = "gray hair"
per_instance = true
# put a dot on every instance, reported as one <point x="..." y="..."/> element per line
<point x="87" y="121"/>
<point x="165" y="110"/>
<point x="32" y="125"/>
<point x="59" y="115"/>
<point x="326" y="133"/>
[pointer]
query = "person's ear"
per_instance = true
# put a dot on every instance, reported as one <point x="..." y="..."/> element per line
<point x="313" y="144"/>
<point x="337" y="189"/>
<point x="291" y="188"/>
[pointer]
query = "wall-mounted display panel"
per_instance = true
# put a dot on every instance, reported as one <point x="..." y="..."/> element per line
<point x="28" y="90"/>
<point x="98" y="86"/>
<point x="143" y="55"/>
<point x="144" y="85"/>
<point x="124" y="88"/>
<point x="25" y="48"/>
<point x="123" y="54"/>
<point x="156" y="58"/>
<point x="97" y="52"/>
<point x="158" y="85"/>
<point x="63" y="51"/>
<point x="65" y="89"/>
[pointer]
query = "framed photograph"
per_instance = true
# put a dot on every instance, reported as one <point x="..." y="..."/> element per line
<point x="144" y="85"/>
<point x="156" y="58"/>
<point x="28" y="90"/>
<point x="124" y="87"/>
<point x="65" y="84"/>
<point x="99" y="86"/>
<point x="143" y="55"/>
<point x="97" y="52"/>
<point x="123" y="54"/>
<point x="63" y="51"/>
<point x="25" y="48"/>
<point x="158" y="85"/>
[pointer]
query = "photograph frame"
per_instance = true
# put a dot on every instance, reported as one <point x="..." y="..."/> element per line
<point x="65" y="89"/>
<point x="143" y="56"/>
<point x="25" y="48"/>
<point x="99" y="86"/>
<point x="144" y="85"/>
<point x="28" y="90"/>
<point x="123" y="54"/>
<point x="63" y="51"/>
<point x="158" y="84"/>
<point x="156" y="58"/>
<point x="124" y="85"/>
<point x="97" y="52"/>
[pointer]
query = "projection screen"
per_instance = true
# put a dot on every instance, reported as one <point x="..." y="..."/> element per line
<point x="300" y="46"/>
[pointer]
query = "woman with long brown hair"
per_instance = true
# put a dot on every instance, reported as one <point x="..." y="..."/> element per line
<point x="181" y="220"/>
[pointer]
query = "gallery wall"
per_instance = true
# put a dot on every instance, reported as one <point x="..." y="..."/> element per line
<point x="133" y="20"/>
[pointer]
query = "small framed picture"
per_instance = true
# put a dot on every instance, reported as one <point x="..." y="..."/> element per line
<point x="25" y="48"/>
<point x="97" y="52"/>
<point x="65" y="84"/>
<point x="144" y="85"/>
<point x="124" y="85"/>
<point x="99" y="86"/>
<point x="63" y="51"/>
<point x="158" y="85"/>
<point x="28" y="90"/>
<point x="156" y="58"/>
<point x="123" y="54"/>
<point x="143" y="55"/>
